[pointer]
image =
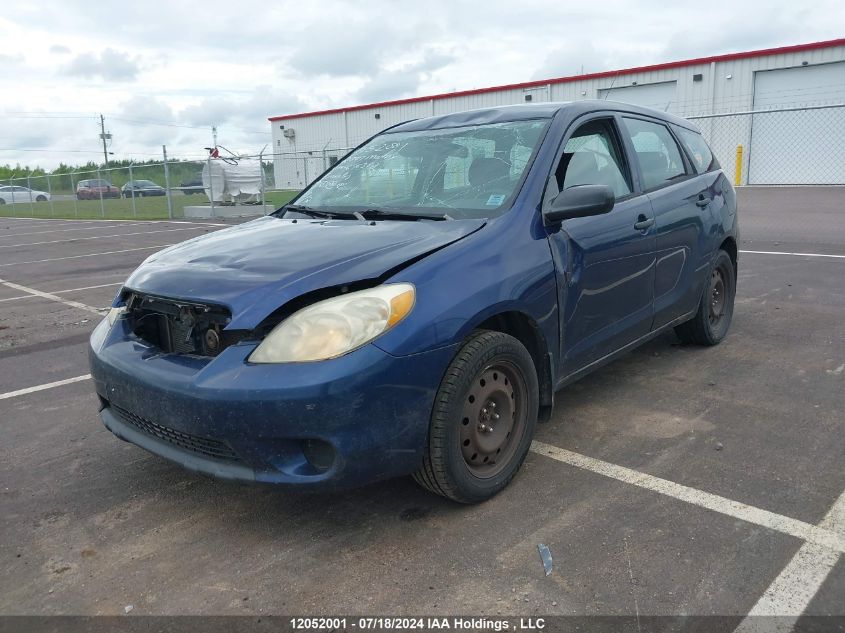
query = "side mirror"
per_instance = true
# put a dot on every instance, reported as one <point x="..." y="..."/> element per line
<point x="579" y="201"/>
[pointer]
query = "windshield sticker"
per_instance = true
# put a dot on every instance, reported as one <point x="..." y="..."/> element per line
<point x="495" y="200"/>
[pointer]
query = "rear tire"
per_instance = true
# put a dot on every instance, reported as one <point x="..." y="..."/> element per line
<point x="41" y="199"/>
<point x="483" y="419"/>
<point x="715" y="310"/>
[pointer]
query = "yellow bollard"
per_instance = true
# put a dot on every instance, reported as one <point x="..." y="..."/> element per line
<point x="738" y="172"/>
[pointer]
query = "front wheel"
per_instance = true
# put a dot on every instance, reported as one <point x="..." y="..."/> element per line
<point x="41" y="199"/>
<point x="483" y="419"/>
<point x="715" y="310"/>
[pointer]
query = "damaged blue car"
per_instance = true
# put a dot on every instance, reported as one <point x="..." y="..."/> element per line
<point x="416" y="308"/>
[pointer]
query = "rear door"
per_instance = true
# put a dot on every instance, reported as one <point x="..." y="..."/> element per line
<point x="605" y="263"/>
<point x="679" y="198"/>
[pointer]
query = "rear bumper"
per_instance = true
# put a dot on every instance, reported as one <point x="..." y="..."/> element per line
<point x="372" y="409"/>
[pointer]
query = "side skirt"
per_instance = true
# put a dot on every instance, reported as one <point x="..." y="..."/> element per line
<point x="604" y="360"/>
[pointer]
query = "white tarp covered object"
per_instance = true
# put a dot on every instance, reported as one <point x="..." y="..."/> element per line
<point x="232" y="183"/>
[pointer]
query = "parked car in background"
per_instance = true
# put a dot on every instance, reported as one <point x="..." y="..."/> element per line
<point x="11" y="194"/>
<point x="142" y="188"/>
<point x="96" y="188"/>
<point x="424" y="329"/>
<point x="194" y="185"/>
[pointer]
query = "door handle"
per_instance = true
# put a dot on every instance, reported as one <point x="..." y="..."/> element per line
<point x="703" y="200"/>
<point x="643" y="223"/>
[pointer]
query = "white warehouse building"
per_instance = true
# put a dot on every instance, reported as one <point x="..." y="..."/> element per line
<point x="784" y="106"/>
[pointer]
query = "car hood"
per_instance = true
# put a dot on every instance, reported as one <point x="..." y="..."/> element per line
<point x="257" y="267"/>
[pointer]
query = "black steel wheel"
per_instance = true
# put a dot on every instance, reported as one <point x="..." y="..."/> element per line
<point x="483" y="420"/>
<point x="715" y="310"/>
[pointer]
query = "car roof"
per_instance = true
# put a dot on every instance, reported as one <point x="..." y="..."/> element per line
<point x="522" y="112"/>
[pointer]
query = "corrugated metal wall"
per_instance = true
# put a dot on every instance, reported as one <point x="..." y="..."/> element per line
<point x="726" y="86"/>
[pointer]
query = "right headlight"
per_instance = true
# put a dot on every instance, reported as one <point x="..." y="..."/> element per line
<point x="333" y="327"/>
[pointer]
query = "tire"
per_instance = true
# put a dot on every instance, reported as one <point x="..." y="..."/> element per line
<point x="471" y="455"/>
<point x="715" y="310"/>
<point x="41" y="199"/>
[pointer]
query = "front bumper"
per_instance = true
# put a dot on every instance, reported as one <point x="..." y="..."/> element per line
<point x="368" y="411"/>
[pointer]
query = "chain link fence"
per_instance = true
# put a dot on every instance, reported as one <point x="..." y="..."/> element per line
<point x="152" y="190"/>
<point x="784" y="146"/>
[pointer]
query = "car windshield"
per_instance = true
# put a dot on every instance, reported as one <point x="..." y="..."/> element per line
<point x="145" y="183"/>
<point x="464" y="172"/>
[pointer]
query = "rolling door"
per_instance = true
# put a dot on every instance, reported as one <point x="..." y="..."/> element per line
<point x="803" y="147"/>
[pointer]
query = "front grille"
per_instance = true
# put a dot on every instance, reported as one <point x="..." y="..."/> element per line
<point x="207" y="446"/>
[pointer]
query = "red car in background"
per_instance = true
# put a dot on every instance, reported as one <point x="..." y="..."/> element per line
<point x="96" y="188"/>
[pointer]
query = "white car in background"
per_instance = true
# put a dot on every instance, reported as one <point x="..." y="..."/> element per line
<point x="11" y="194"/>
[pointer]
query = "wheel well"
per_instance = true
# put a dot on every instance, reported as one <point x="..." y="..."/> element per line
<point x="526" y="331"/>
<point x="729" y="246"/>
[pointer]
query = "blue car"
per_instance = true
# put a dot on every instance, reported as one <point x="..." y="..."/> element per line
<point x="415" y="309"/>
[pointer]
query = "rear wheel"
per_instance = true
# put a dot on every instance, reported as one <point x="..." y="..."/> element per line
<point x="483" y="420"/>
<point x="715" y="310"/>
<point x="41" y="199"/>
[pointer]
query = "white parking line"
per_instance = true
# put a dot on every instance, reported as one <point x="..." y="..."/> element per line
<point x="75" y="228"/>
<point x="60" y="292"/>
<point x="100" y="237"/>
<point x="52" y="297"/>
<point x="58" y="259"/>
<point x="787" y="525"/>
<point x="75" y="221"/>
<point x="49" y="385"/>
<point x="798" y="582"/>
<point x="793" y="254"/>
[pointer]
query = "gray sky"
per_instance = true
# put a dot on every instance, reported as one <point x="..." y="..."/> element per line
<point x="164" y="72"/>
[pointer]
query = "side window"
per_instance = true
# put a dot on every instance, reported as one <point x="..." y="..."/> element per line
<point x="699" y="152"/>
<point x="592" y="156"/>
<point x="657" y="152"/>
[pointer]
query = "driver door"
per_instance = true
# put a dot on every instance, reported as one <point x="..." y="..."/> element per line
<point x="605" y="263"/>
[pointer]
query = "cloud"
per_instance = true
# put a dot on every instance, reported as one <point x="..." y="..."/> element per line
<point x="403" y="82"/>
<point x="241" y="121"/>
<point x="110" y="65"/>
<point x="58" y="49"/>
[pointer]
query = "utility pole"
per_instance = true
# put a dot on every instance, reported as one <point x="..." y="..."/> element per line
<point x="214" y="135"/>
<point x="104" y="136"/>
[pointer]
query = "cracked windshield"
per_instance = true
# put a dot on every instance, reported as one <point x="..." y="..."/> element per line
<point x="465" y="172"/>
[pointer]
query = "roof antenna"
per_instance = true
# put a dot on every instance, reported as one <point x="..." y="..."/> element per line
<point x="607" y="90"/>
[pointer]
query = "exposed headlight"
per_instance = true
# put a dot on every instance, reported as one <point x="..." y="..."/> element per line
<point x="114" y="314"/>
<point x="336" y="326"/>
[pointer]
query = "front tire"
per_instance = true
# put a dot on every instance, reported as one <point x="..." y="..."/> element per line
<point x="483" y="419"/>
<point x="715" y="310"/>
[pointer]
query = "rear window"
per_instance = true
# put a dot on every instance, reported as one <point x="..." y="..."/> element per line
<point x="657" y="152"/>
<point x="700" y="154"/>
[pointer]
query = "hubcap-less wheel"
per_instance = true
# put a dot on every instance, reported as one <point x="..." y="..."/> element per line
<point x="717" y="298"/>
<point x="483" y="418"/>
<point x="494" y="415"/>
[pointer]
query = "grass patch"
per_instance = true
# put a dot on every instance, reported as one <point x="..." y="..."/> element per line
<point x="154" y="208"/>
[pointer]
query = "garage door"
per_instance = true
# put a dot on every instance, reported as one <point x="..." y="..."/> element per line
<point x="660" y="96"/>
<point x="802" y="147"/>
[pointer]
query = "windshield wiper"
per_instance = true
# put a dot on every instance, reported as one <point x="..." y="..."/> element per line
<point x="316" y="213"/>
<point x="381" y="214"/>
